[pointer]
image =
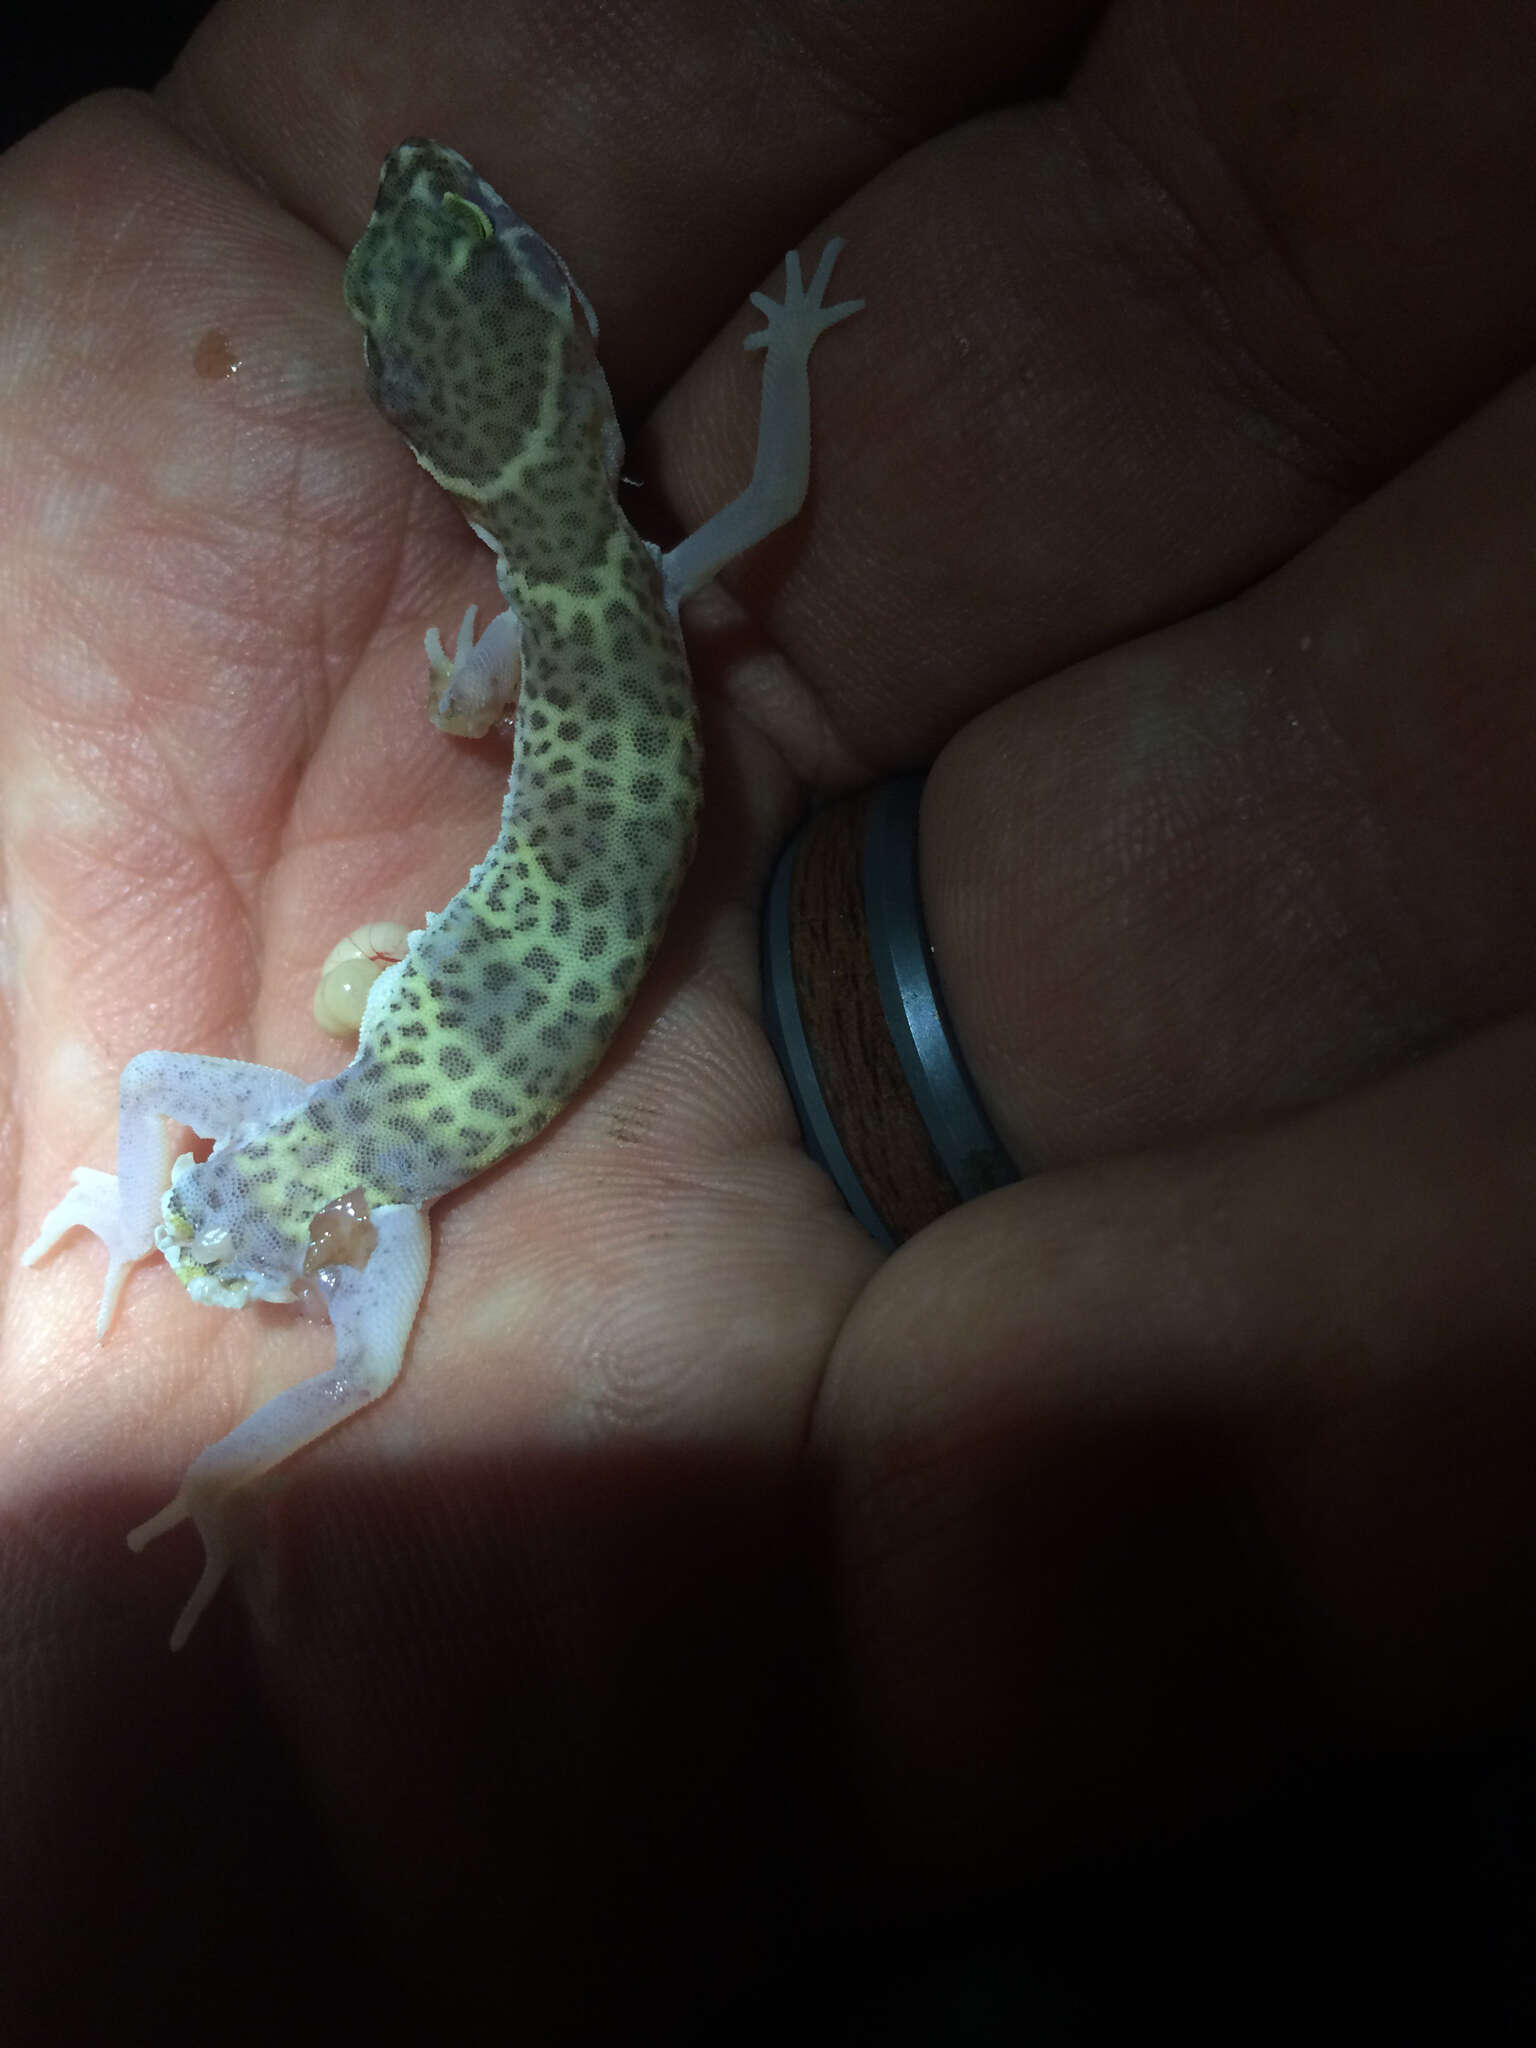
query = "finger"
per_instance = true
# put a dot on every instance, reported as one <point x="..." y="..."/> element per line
<point x="1354" y="187"/>
<point x="1126" y="351"/>
<point x="1228" y="1455"/>
<point x="1242" y="862"/>
<point x="671" y="151"/>
<point x="1122" y="362"/>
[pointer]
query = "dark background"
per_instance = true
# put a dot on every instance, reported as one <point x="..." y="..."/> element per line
<point x="1384" y="1900"/>
<point x="57" y="54"/>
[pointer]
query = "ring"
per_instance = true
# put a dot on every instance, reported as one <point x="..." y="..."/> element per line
<point x="856" y="1016"/>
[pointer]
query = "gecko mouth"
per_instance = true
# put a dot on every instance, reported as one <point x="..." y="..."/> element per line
<point x="215" y="1285"/>
<point x="200" y="1276"/>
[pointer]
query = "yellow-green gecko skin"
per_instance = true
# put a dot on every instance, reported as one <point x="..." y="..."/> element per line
<point x="480" y="347"/>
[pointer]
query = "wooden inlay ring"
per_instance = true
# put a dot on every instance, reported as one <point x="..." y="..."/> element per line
<point x="852" y="1003"/>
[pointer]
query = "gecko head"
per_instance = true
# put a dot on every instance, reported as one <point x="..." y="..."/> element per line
<point x="471" y="325"/>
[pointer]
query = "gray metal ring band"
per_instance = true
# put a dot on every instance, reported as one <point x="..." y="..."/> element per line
<point x="967" y="1150"/>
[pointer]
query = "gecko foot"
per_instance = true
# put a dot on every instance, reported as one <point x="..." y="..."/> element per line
<point x="93" y="1204"/>
<point x="794" y="326"/>
<point x="467" y="695"/>
<point x="206" y="1516"/>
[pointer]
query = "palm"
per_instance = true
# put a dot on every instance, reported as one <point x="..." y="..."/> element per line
<point x="258" y="776"/>
<point x="213" y="782"/>
<point x="544" y="1588"/>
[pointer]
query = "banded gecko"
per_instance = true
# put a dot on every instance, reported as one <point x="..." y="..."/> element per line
<point x="479" y="346"/>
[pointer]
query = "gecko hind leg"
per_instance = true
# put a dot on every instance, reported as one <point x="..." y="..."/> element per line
<point x="372" y="1311"/>
<point x="213" y="1097"/>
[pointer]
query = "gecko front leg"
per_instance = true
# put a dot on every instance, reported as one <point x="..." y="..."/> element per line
<point x="782" y="466"/>
<point x="467" y="695"/>
<point x="215" y="1098"/>
<point x="371" y="1310"/>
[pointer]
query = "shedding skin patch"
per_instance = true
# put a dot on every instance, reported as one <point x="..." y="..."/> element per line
<point x="343" y="1233"/>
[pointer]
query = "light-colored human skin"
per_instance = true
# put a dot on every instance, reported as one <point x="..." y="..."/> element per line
<point x="1176" y="500"/>
<point x="479" y="347"/>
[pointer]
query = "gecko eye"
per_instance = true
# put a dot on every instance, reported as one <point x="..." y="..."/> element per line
<point x="468" y="215"/>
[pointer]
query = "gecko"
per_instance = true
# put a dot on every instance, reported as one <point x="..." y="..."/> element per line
<point x="480" y="348"/>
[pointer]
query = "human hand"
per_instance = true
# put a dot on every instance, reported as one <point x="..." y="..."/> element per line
<point x="703" y="1573"/>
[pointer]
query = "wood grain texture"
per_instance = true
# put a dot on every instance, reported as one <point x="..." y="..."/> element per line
<point x="856" y="1063"/>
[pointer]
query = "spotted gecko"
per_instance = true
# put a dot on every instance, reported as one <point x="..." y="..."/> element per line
<point x="479" y="346"/>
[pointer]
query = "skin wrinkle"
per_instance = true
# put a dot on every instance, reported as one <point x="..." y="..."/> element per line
<point x="1309" y="137"/>
<point x="815" y="47"/>
<point x="445" y="1689"/>
<point x="1286" y="423"/>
